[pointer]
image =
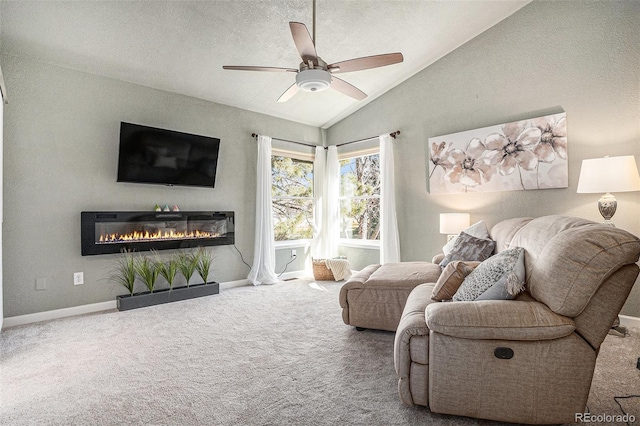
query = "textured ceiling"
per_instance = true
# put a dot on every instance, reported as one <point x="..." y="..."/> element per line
<point x="180" y="46"/>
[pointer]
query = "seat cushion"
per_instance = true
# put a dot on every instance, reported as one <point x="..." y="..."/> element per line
<point x="404" y="274"/>
<point x="498" y="319"/>
<point x="377" y="301"/>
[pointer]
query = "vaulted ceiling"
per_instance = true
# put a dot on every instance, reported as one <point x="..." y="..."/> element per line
<point x="181" y="46"/>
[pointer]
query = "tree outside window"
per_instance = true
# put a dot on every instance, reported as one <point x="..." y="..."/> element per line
<point x="292" y="198"/>
<point x="360" y="197"/>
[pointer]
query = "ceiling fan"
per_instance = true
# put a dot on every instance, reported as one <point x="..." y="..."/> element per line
<point x="314" y="74"/>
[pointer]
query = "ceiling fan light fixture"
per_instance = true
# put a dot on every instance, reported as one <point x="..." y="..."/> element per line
<point x="313" y="80"/>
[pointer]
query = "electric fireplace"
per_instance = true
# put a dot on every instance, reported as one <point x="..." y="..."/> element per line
<point x="113" y="232"/>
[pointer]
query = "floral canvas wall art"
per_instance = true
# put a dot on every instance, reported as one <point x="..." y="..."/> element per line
<point x="522" y="155"/>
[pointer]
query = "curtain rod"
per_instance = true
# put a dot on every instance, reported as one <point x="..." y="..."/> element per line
<point x="255" y="135"/>
<point x="393" y="135"/>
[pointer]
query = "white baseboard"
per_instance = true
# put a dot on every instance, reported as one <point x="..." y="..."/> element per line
<point x="629" y="321"/>
<point x="103" y="306"/>
<point x="294" y="274"/>
<point x="232" y="284"/>
<point x="58" y="313"/>
<point x="283" y="277"/>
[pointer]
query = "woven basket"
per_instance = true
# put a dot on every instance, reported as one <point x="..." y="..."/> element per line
<point x="320" y="270"/>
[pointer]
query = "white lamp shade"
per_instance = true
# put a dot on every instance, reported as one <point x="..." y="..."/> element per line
<point x="609" y="174"/>
<point x="453" y="223"/>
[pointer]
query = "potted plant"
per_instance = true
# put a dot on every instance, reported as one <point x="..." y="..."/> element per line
<point x="204" y="263"/>
<point x="168" y="270"/>
<point x="125" y="273"/>
<point x="187" y="263"/>
<point x="130" y="268"/>
<point x="147" y="270"/>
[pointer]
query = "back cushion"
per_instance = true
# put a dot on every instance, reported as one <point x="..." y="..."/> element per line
<point x="566" y="259"/>
<point x="502" y="233"/>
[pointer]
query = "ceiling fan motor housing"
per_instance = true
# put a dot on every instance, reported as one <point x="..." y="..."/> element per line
<point x="313" y="80"/>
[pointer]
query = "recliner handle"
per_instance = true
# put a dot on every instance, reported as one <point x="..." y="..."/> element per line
<point x="503" y="353"/>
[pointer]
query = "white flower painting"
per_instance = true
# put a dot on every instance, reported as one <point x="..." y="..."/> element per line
<point x="517" y="156"/>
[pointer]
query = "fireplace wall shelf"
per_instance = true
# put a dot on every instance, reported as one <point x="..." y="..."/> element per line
<point x="113" y="232"/>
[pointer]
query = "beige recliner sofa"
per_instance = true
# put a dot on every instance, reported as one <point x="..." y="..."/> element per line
<point x="529" y="360"/>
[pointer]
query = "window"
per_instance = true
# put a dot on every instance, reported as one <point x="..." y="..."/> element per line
<point x="360" y="197"/>
<point x="292" y="198"/>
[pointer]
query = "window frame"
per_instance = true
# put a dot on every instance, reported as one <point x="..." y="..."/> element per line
<point x="302" y="156"/>
<point x="351" y="242"/>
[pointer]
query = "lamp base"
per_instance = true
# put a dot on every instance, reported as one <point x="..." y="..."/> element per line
<point x="607" y="205"/>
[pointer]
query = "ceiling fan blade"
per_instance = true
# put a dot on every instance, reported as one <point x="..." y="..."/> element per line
<point x="271" y="69"/>
<point x="289" y="93"/>
<point x="347" y="88"/>
<point x="366" y="63"/>
<point x="304" y="42"/>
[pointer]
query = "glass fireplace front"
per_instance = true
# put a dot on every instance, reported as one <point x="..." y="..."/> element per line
<point x="113" y="232"/>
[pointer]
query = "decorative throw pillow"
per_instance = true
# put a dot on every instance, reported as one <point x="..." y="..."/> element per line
<point x="451" y="278"/>
<point x="500" y="277"/>
<point x="478" y="230"/>
<point x="469" y="248"/>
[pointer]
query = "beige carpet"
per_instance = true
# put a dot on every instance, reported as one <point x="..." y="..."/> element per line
<point x="270" y="355"/>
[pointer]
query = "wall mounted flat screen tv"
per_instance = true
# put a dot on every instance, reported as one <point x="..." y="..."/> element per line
<point x="166" y="157"/>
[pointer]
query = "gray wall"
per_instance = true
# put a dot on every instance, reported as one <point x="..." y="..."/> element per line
<point x="60" y="157"/>
<point x="578" y="57"/>
<point x="61" y="133"/>
<point x="359" y="257"/>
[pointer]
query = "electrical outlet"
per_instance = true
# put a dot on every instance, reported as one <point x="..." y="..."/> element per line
<point x="41" y="283"/>
<point x="294" y="253"/>
<point x="78" y="278"/>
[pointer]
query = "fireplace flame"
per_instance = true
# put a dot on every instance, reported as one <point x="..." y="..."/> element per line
<point x="142" y="236"/>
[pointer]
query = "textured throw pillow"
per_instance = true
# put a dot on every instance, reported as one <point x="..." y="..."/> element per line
<point x="500" y="277"/>
<point x="478" y="230"/>
<point x="468" y="247"/>
<point x="451" y="278"/>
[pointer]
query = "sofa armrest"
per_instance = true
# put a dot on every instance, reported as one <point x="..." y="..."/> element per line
<point x="412" y="324"/>
<point x="437" y="258"/>
<point x="498" y="319"/>
<point x="411" y="345"/>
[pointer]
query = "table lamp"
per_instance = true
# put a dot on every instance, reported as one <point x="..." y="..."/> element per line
<point x="608" y="174"/>
<point x="452" y="223"/>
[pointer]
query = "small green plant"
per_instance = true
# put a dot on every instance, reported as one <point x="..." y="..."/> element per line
<point x="204" y="263"/>
<point x="147" y="270"/>
<point x="125" y="273"/>
<point x="168" y="269"/>
<point x="187" y="263"/>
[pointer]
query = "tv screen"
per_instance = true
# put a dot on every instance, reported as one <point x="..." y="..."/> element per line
<point x="151" y="155"/>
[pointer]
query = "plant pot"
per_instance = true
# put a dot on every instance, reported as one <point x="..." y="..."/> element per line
<point x="141" y="300"/>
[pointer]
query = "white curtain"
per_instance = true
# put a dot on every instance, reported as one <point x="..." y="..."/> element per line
<point x="264" y="262"/>
<point x="332" y="202"/>
<point x="390" y="243"/>
<point x="319" y="246"/>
